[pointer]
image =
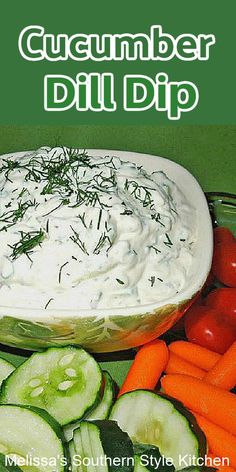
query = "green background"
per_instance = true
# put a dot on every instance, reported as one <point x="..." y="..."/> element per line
<point x="209" y="152"/>
<point x="21" y="91"/>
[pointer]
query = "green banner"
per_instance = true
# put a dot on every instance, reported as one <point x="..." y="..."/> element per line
<point x="73" y="63"/>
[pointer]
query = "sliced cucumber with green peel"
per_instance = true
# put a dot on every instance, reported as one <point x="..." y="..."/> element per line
<point x="5" y="467"/>
<point x="151" y="418"/>
<point x="138" y="467"/>
<point x="101" y="446"/>
<point x="32" y="439"/>
<point x="149" y="458"/>
<point x="102" y="411"/>
<point x="6" y="368"/>
<point x="72" y="452"/>
<point x="65" y="381"/>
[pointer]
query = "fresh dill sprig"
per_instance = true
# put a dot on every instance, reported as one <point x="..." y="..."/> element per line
<point x="12" y="216"/>
<point x="9" y="166"/>
<point x="155" y="249"/>
<point x="49" y="301"/>
<point x="24" y="190"/>
<point x="99" y="219"/>
<point x="28" y="241"/>
<point x="101" y="242"/>
<point x="82" y="219"/>
<point x="157" y="218"/>
<point x="168" y="243"/>
<point x="152" y="280"/>
<point x="76" y="239"/>
<point x="119" y="281"/>
<point x="126" y="212"/>
<point x="142" y="193"/>
<point x="60" y="271"/>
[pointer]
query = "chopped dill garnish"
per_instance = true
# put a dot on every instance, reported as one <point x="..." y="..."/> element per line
<point x="49" y="301"/>
<point x="168" y="242"/>
<point x="27" y="242"/>
<point x="126" y="212"/>
<point x="101" y="242"/>
<point x="9" y="166"/>
<point x="76" y="239"/>
<point x="155" y="249"/>
<point x="12" y="216"/>
<point x="99" y="219"/>
<point x="60" y="271"/>
<point x="24" y="190"/>
<point x="120" y="282"/>
<point x="152" y="280"/>
<point x="54" y="209"/>
<point x="157" y="218"/>
<point x="106" y="227"/>
<point x="140" y="192"/>
<point x="65" y="201"/>
<point x="82" y="219"/>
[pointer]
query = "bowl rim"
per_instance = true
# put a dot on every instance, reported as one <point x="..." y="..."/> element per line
<point x="187" y="293"/>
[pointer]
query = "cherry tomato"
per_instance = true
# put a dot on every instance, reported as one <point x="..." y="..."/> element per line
<point x="209" y="328"/>
<point x="223" y="300"/>
<point x="223" y="235"/>
<point x="224" y="263"/>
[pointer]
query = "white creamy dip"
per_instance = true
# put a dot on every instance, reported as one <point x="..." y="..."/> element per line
<point x="90" y="232"/>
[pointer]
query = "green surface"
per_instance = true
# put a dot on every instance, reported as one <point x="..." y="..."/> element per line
<point x="208" y="152"/>
<point x="22" y="88"/>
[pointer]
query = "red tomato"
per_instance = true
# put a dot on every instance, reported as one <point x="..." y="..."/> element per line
<point x="223" y="300"/>
<point x="223" y="235"/>
<point x="208" y="328"/>
<point x="224" y="263"/>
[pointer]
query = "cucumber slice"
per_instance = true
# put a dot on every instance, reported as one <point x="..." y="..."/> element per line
<point x="65" y="381"/>
<point x="6" y="368"/>
<point x="4" y="467"/>
<point x="72" y="453"/>
<point x="149" y="458"/>
<point x="151" y="418"/>
<point x="31" y="438"/>
<point x="101" y="446"/>
<point x="102" y="411"/>
<point x="138" y="467"/>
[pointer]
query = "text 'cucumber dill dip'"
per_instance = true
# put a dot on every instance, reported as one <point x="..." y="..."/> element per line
<point x="88" y="232"/>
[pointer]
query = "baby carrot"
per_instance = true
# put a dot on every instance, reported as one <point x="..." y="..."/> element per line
<point x="215" y="404"/>
<point x="197" y="355"/>
<point x="220" y="442"/>
<point x="177" y="365"/>
<point x="223" y="374"/>
<point x="147" y="367"/>
<point x="225" y="468"/>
